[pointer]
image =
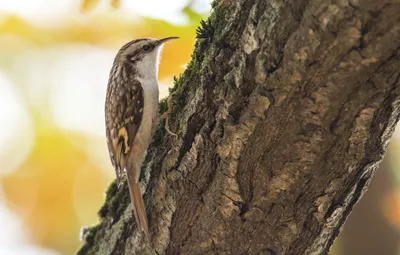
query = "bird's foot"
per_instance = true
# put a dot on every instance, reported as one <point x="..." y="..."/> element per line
<point x="165" y="116"/>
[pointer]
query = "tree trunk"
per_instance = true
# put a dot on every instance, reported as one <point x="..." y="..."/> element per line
<point x="283" y="115"/>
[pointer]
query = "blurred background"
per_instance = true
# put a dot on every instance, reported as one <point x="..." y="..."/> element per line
<point x="55" y="58"/>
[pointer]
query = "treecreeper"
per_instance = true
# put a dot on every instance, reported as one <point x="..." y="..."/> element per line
<point x="131" y="114"/>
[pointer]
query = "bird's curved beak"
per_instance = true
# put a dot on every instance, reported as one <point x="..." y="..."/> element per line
<point x="164" y="40"/>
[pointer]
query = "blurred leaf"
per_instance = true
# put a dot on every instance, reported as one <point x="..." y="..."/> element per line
<point x="391" y="208"/>
<point x="46" y="189"/>
<point x="192" y="15"/>
<point x="104" y="30"/>
<point x="13" y="25"/>
<point x="393" y="159"/>
<point x="88" y="5"/>
<point x="115" y="4"/>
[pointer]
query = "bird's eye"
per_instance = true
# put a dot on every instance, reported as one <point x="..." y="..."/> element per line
<point x="146" y="47"/>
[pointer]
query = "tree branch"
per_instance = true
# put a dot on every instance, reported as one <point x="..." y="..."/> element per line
<point x="283" y="115"/>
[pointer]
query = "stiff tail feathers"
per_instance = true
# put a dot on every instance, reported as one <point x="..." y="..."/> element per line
<point x="139" y="210"/>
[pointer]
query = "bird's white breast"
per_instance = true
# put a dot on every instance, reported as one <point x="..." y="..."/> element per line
<point x="150" y="110"/>
<point x="148" y="75"/>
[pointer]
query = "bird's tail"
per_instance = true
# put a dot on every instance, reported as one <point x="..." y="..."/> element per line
<point x="139" y="210"/>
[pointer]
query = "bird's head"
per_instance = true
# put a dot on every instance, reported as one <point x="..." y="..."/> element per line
<point x="144" y="54"/>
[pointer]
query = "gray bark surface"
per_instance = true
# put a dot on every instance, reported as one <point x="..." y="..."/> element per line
<point x="282" y="116"/>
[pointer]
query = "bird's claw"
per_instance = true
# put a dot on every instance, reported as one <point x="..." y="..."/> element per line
<point x="165" y="116"/>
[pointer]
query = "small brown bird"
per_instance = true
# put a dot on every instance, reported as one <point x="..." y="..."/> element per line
<point x="131" y="112"/>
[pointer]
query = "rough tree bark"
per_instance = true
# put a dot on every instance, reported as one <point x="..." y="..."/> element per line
<point x="283" y="115"/>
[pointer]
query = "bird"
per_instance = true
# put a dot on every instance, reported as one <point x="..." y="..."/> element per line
<point x="131" y="114"/>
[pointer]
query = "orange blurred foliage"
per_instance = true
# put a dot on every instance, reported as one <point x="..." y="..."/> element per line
<point x="42" y="189"/>
<point x="104" y="30"/>
<point x="391" y="208"/>
<point x="88" y="5"/>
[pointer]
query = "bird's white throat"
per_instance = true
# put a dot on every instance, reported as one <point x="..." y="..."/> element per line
<point x="148" y="67"/>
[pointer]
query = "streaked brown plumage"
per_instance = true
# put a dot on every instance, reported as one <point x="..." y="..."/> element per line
<point x="131" y="109"/>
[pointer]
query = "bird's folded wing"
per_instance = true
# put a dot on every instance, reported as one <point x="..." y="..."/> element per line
<point x="124" y="111"/>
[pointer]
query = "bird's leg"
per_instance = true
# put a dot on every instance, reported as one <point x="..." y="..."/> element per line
<point x="165" y="116"/>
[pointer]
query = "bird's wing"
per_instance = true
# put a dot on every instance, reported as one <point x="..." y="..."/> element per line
<point x="124" y="111"/>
